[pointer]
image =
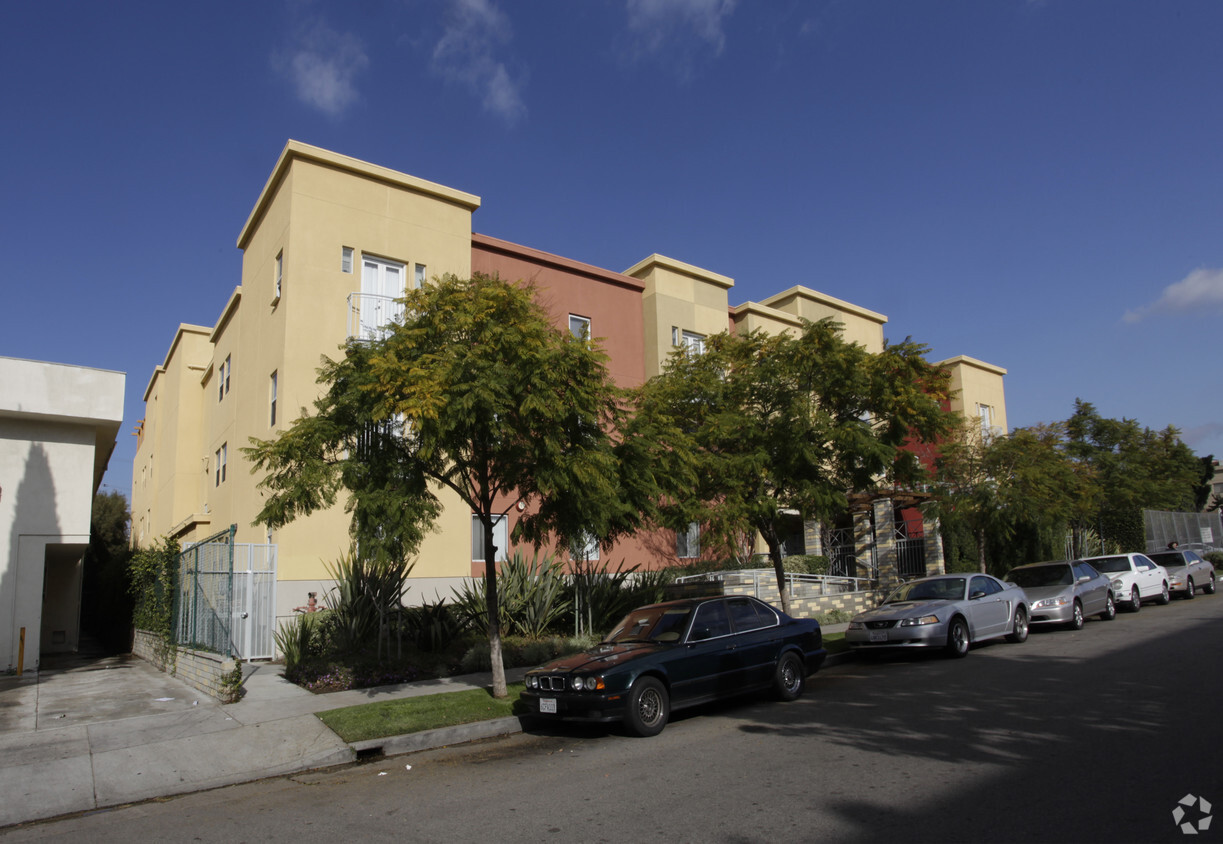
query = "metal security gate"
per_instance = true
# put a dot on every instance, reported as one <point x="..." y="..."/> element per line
<point x="202" y="603"/>
<point x="253" y="610"/>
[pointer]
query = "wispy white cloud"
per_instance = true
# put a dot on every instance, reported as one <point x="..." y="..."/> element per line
<point x="465" y="54"/>
<point x="323" y="65"/>
<point x="1202" y="289"/>
<point x="659" y="23"/>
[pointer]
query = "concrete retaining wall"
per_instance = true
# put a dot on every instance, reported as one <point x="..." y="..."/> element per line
<point x="207" y="672"/>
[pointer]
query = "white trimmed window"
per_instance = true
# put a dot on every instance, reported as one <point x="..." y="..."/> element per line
<point x="382" y="285"/>
<point x="346" y="259"/>
<point x="222" y="458"/>
<point x="500" y="538"/>
<point x="579" y="326"/>
<point x="280" y="272"/>
<point x="688" y="542"/>
<point x="689" y="340"/>
<point x="273" y="387"/>
<point x="986" y="414"/>
<point x="223" y="374"/>
<point x="418" y="277"/>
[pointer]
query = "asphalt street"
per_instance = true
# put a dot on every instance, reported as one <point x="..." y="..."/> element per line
<point x="1094" y="735"/>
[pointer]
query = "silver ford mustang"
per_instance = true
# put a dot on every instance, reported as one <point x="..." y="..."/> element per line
<point x="950" y="611"/>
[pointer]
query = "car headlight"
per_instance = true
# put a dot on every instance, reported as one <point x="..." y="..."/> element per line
<point x="532" y="681"/>
<point x="856" y="625"/>
<point x="1118" y="583"/>
<point x="587" y="684"/>
<point x="1178" y="581"/>
<point x="918" y="622"/>
<point x="1050" y="602"/>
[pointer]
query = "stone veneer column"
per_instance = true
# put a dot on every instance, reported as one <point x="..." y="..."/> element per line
<point x="885" y="542"/>
<point x="864" y="544"/>
<point x="935" y="564"/>
<point x="811" y="538"/>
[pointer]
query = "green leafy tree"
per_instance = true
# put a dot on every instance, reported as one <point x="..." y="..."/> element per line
<point x="760" y="424"/>
<point x="997" y="486"/>
<point x="475" y="391"/>
<point x="1135" y="468"/>
<point x="106" y="603"/>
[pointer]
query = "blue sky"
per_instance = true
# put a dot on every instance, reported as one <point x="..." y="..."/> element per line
<point x="1034" y="183"/>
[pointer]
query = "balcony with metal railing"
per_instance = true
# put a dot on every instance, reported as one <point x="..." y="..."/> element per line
<point x="370" y="315"/>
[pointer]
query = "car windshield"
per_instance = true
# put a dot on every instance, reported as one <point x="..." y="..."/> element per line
<point x="651" y="624"/>
<point x="1168" y="560"/>
<point x="1112" y="564"/>
<point x="944" y="589"/>
<point x="1037" y="576"/>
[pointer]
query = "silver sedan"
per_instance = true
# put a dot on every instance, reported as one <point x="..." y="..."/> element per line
<point x="1065" y="592"/>
<point x="950" y="611"/>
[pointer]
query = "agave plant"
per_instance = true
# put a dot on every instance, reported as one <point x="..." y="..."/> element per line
<point x="531" y="595"/>
<point x="367" y="592"/>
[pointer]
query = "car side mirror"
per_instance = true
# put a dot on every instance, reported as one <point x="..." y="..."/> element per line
<point x="975" y="595"/>
<point x="1084" y="578"/>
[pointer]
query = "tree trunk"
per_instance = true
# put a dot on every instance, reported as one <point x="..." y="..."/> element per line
<point x="779" y="569"/>
<point x="500" y="689"/>
<point x="981" y="549"/>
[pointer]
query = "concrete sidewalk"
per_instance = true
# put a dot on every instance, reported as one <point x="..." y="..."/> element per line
<point x="82" y="733"/>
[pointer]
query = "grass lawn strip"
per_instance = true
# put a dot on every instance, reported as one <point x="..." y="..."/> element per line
<point x="414" y="714"/>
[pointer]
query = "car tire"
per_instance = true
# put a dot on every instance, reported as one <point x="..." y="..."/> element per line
<point x="1189" y="592"/>
<point x="1110" y="609"/>
<point x="790" y="678"/>
<point x="648" y="707"/>
<point x="1019" y="626"/>
<point x="1135" y="600"/>
<point x="1164" y="596"/>
<point x="1076" y="617"/>
<point x="1209" y="588"/>
<point x="958" y="640"/>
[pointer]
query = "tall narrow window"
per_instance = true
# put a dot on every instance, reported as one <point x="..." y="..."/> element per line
<point x="500" y="538"/>
<point x="274" y="385"/>
<point x="280" y="272"/>
<point x="222" y="456"/>
<point x="223" y="377"/>
<point x="986" y="414"/>
<point x="688" y="542"/>
<point x="419" y="277"/>
<point x="346" y="259"/>
<point x="382" y="285"/>
<point x="579" y="326"/>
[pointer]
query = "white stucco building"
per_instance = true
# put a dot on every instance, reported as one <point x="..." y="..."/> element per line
<point x="58" y="425"/>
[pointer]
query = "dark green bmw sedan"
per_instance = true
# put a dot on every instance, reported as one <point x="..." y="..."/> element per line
<point x="676" y="654"/>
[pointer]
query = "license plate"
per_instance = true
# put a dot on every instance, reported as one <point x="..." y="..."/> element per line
<point x="879" y="635"/>
<point x="547" y="705"/>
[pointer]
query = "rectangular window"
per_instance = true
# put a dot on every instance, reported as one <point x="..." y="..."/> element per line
<point x="223" y="377"/>
<point x="280" y="272"/>
<point x="274" y="385"/>
<point x="986" y="414"/>
<point x="688" y="542"/>
<point x="222" y="457"/>
<point x="500" y="538"/>
<point x="346" y="259"/>
<point x="419" y="277"/>
<point x="693" y="342"/>
<point x="579" y="326"/>
<point x="382" y="285"/>
<point x="586" y="548"/>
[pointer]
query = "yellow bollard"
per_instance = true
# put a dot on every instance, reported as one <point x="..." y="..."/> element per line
<point x="21" y="652"/>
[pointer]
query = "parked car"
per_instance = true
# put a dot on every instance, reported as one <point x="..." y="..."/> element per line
<point x="668" y="656"/>
<point x="949" y="611"/>
<point x="1065" y="592"/>
<point x="1135" y="577"/>
<point x="1187" y="572"/>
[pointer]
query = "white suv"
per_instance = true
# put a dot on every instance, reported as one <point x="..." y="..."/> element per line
<point x="1135" y="577"/>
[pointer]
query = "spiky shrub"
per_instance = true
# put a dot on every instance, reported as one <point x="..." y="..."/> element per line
<point x="367" y="592"/>
<point x="532" y="595"/>
<point x="299" y="639"/>
<point x="432" y="627"/>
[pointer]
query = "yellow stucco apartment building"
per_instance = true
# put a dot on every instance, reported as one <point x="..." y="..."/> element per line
<point x="329" y="246"/>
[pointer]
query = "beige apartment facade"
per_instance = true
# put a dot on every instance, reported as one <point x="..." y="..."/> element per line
<point x="330" y="245"/>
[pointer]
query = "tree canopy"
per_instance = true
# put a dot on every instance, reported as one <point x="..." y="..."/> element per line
<point x="759" y="425"/>
<point x="475" y="391"/>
